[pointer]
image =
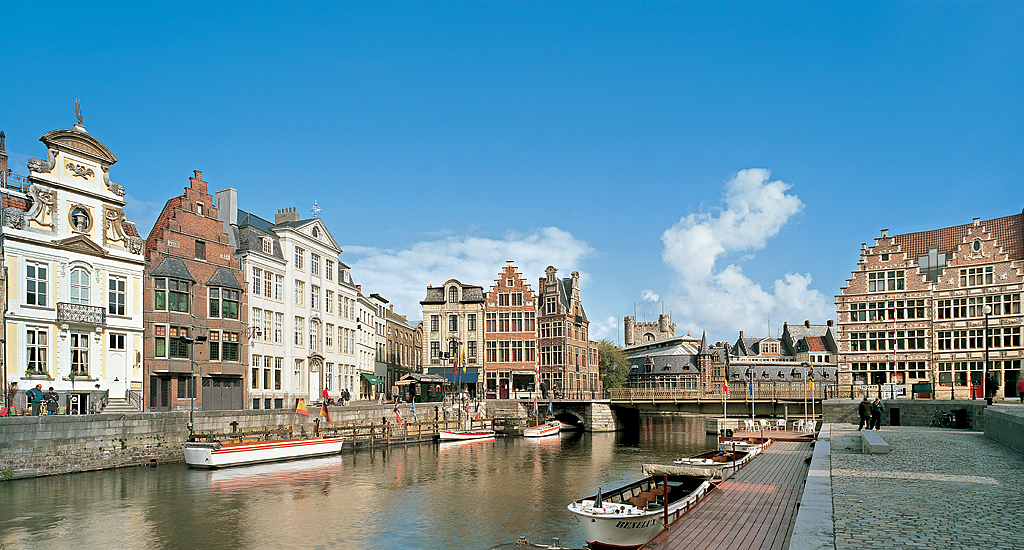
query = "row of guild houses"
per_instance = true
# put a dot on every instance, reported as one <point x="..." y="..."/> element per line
<point x="217" y="309"/>
<point x="937" y="312"/>
<point x="661" y="361"/>
<point x="510" y="339"/>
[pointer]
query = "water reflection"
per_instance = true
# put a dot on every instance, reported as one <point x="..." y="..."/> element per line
<point x="469" y="495"/>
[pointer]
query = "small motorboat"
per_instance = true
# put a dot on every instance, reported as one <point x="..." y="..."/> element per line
<point x="727" y="462"/>
<point x="569" y="426"/>
<point x="214" y="454"/>
<point x="745" y="444"/>
<point x="632" y="515"/>
<point x="464" y="435"/>
<point x="543" y="430"/>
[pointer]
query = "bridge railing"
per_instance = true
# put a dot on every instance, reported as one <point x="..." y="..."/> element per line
<point x="740" y="391"/>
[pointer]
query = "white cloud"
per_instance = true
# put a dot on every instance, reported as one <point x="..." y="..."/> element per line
<point x="402" y="275"/>
<point x="724" y="300"/>
<point x="649" y="296"/>
<point x="143" y="213"/>
<point x="607" y="329"/>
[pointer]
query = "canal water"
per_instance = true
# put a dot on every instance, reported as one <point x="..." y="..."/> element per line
<point x="470" y="495"/>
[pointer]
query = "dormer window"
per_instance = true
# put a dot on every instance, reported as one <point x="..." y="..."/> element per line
<point x="266" y="245"/>
<point x="453" y="295"/>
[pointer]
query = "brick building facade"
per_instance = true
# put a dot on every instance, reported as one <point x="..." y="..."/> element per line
<point x="563" y="342"/>
<point x="930" y="307"/>
<point x="192" y="289"/>
<point x="511" y="336"/>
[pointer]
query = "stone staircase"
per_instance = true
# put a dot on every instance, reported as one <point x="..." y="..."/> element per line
<point x="119" y="405"/>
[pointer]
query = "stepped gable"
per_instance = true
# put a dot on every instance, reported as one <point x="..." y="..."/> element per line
<point x="1008" y="232"/>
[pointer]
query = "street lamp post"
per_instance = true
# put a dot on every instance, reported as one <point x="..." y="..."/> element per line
<point x="984" y="373"/>
<point x="192" y="380"/>
<point x="750" y="390"/>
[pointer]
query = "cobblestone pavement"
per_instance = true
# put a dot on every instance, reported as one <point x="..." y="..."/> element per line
<point x="937" y="488"/>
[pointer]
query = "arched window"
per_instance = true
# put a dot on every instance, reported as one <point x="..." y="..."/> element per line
<point x="79" y="286"/>
<point x="453" y="294"/>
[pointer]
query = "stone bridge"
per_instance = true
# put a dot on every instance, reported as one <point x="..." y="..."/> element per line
<point x="595" y="415"/>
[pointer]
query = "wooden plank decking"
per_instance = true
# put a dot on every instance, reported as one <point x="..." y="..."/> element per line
<point x="755" y="509"/>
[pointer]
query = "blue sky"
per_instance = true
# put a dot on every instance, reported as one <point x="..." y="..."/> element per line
<point x="722" y="161"/>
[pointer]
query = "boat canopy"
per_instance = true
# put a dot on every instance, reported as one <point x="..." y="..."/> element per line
<point x="673" y="470"/>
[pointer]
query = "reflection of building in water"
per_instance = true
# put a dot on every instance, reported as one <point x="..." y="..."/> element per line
<point x="641" y="333"/>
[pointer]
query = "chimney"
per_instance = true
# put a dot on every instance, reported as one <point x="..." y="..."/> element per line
<point x="807" y="323"/>
<point x="197" y="183"/>
<point x="741" y="335"/>
<point x="829" y="322"/>
<point x="286" y="215"/>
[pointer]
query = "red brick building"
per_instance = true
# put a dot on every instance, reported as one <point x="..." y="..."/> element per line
<point x="939" y="307"/>
<point x="192" y="288"/>
<point x="510" y="314"/>
<point x="566" y="360"/>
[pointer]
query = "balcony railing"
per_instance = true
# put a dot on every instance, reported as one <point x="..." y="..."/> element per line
<point x="78" y="313"/>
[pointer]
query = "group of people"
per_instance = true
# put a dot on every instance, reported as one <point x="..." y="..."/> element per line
<point x="343" y="398"/>
<point x="554" y="390"/>
<point x="871" y="413"/>
<point x="37" y="400"/>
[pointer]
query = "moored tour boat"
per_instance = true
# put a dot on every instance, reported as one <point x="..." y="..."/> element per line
<point x="219" y="455"/>
<point x="632" y="515"/>
<point x="464" y="435"/>
<point x="543" y="430"/>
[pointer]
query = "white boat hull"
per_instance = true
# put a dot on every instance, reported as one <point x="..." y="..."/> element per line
<point x="464" y="435"/>
<point x="622" y="525"/>
<point x="215" y="455"/>
<point x="544" y="430"/>
<point x="726" y="444"/>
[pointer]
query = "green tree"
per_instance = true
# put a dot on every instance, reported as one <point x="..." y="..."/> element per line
<point x="614" y="366"/>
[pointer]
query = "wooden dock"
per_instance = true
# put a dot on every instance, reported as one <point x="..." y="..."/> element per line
<point x="754" y="509"/>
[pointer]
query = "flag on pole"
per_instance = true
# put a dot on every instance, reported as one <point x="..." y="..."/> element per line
<point x="479" y="415"/>
<point x="725" y="386"/>
<point x="300" y="408"/>
<point x="810" y="376"/>
<point x="750" y="388"/>
<point x="415" y="417"/>
<point x="463" y="360"/>
<point x="398" y="415"/>
<point x="551" y="409"/>
<point x="324" y="413"/>
<point x="534" y="404"/>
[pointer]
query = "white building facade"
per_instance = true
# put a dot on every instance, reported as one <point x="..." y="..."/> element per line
<point x="303" y="316"/>
<point x="74" y="268"/>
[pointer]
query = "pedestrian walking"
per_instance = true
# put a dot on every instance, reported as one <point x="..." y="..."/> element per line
<point x="35" y="399"/>
<point x="877" y="408"/>
<point x="991" y="388"/>
<point x="864" y="410"/>
<point x="544" y="389"/>
<point x="1020" y="389"/>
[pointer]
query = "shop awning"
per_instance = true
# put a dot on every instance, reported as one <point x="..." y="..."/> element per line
<point x="371" y="378"/>
<point x="463" y="377"/>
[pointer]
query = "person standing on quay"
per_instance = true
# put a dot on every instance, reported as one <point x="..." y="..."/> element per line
<point x="1020" y="389"/>
<point x="35" y="398"/>
<point x="877" y="408"/>
<point x="52" y="401"/>
<point x="864" y="410"/>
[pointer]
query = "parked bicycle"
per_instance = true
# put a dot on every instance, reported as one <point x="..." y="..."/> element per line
<point x="942" y="419"/>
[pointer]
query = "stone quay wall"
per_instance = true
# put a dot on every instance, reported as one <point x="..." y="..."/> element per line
<point x="1006" y="425"/>
<point x="910" y="412"/>
<point x="32" y="446"/>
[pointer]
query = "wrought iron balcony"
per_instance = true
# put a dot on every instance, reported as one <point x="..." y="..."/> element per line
<point x="78" y="313"/>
